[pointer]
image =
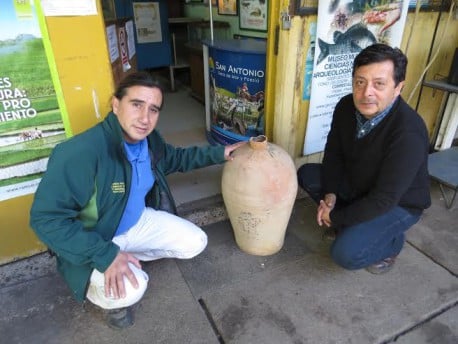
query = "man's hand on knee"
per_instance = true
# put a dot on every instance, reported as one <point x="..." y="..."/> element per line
<point x="114" y="275"/>
<point x="324" y="209"/>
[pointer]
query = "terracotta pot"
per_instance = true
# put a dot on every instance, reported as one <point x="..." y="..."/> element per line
<point x="259" y="188"/>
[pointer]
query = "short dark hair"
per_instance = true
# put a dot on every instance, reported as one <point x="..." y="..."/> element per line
<point x="141" y="78"/>
<point x="379" y="52"/>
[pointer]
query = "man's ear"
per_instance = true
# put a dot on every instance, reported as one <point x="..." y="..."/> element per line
<point x="399" y="88"/>
<point x="114" y="104"/>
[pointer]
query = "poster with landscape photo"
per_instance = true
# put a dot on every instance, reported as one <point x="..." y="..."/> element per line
<point x="31" y="119"/>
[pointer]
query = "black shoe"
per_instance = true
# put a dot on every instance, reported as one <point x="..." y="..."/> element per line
<point x="120" y="318"/>
<point x="382" y="267"/>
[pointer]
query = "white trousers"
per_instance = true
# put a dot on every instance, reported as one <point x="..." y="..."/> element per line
<point x="157" y="234"/>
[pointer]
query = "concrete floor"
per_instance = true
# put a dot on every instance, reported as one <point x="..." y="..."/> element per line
<point x="227" y="296"/>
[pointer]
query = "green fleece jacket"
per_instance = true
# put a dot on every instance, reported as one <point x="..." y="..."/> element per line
<point x="82" y="195"/>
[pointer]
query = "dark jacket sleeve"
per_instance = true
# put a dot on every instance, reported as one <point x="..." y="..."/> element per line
<point x="65" y="189"/>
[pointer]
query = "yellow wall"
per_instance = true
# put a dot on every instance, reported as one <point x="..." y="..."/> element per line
<point x="430" y="99"/>
<point x="290" y="112"/>
<point x="81" y="54"/>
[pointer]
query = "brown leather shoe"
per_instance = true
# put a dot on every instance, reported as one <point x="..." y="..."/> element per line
<point x="382" y="267"/>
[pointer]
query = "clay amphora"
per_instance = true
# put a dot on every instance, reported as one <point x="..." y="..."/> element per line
<point x="259" y="188"/>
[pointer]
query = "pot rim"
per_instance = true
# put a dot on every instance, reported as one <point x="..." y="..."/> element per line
<point x="258" y="142"/>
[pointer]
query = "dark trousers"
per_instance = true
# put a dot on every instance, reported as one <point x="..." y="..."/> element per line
<point x="365" y="243"/>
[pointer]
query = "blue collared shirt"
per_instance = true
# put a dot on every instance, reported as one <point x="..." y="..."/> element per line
<point x="364" y="126"/>
<point x="142" y="182"/>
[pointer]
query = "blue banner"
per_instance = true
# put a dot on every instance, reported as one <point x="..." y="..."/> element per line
<point x="237" y="82"/>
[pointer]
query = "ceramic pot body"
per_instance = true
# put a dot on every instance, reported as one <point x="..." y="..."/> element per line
<point x="259" y="188"/>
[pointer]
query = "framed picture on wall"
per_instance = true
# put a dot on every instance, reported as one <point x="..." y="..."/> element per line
<point x="227" y="7"/>
<point x="304" y="7"/>
<point x="253" y="15"/>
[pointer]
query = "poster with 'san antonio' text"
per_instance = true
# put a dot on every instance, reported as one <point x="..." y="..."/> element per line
<point x="31" y="119"/>
<point x="344" y="28"/>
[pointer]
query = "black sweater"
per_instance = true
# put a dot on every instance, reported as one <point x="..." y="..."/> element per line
<point x="386" y="168"/>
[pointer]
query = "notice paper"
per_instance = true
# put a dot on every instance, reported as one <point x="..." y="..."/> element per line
<point x="69" y="7"/>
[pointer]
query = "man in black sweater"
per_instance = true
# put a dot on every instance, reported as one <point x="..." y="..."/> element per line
<point x="373" y="184"/>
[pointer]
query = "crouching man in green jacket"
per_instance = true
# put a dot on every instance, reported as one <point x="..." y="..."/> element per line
<point x="104" y="204"/>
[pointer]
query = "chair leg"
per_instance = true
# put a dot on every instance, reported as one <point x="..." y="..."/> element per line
<point x="172" y="79"/>
<point x="448" y="202"/>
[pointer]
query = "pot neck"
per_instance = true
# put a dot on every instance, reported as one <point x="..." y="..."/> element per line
<point x="258" y="142"/>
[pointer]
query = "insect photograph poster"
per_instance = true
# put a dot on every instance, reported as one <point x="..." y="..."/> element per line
<point x="253" y="15"/>
<point x="344" y="28"/>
